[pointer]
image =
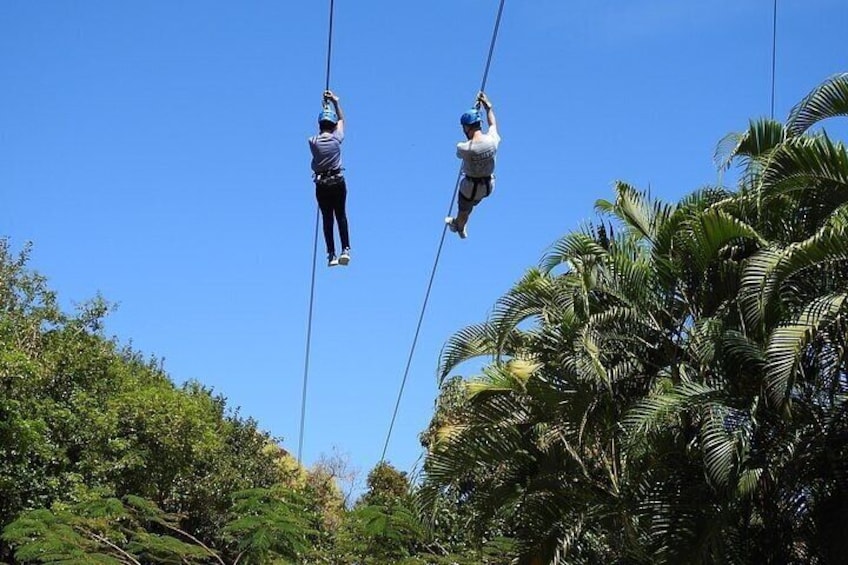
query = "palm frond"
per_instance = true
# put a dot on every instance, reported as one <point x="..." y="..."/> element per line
<point x="573" y="250"/>
<point x="711" y="231"/>
<point x="473" y="341"/>
<point x="827" y="100"/>
<point x="641" y="216"/>
<point x="722" y="448"/>
<point x="783" y="354"/>
<point x="663" y="408"/>
<point x="766" y="271"/>
<point x="760" y="139"/>
<point x="804" y="162"/>
<point x="567" y="543"/>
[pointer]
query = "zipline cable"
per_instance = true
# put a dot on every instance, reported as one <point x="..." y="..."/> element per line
<point x="773" y="55"/>
<point x="418" y="327"/>
<point x="308" y="342"/>
<point x="314" y="263"/>
<point x="329" y="45"/>
<point x="441" y="245"/>
<point x="492" y="46"/>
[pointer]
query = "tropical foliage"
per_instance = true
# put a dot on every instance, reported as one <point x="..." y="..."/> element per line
<point x="670" y="384"/>
<point x="104" y="460"/>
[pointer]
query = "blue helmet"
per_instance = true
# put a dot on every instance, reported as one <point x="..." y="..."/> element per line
<point x="328" y="115"/>
<point x="471" y="117"/>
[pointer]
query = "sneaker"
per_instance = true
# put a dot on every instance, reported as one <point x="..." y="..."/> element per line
<point x="344" y="258"/>
<point x="451" y="222"/>
<point x="331" y="260"/>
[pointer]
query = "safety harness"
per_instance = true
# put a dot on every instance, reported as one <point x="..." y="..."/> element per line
<point x="330" y="177"/>
<point x="475" y="185"/>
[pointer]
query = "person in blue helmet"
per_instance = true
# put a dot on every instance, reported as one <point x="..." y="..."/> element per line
<point x="478" y="162"/>
<point x="330" y="186"/>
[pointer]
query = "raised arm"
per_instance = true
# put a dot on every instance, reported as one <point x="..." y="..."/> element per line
<point x="334" y="100"/>
<point x="490" y="112"/>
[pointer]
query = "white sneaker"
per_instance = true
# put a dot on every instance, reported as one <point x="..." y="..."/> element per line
<point x="331" y="260"/>
<point x="451" y="222"/>
<point x="344" y="258"/>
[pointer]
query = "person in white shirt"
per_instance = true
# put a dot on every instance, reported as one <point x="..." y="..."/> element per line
<point x="478" y="163"/>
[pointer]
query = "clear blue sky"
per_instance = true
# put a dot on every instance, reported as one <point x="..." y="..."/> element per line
<point x="155" y="152"/>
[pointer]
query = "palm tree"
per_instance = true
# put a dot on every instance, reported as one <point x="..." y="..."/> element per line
<point x="539" y="442"/>
<point x="670" y="385"/>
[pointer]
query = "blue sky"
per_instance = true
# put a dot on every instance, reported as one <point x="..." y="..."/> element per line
<point x="155" y="152"/>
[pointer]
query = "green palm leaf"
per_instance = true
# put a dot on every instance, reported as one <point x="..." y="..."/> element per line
<point x="577" y="250"/>
<point x="757" y="142"/>
<point x="766" y="272"/>
<point x="722" y="449"/>
<point x="711" y="231"/>
<point x="473" y="341"/>
<point x="827" y="100"/>
<point x="804" y="162"/>
<point x="642" y="217"/>
<point x="783" y="354"/>
<point x="664" y="407"/>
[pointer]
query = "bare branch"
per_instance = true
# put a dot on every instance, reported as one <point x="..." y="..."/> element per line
<point x="104" y="540"/>
<point x="187" y="535"/>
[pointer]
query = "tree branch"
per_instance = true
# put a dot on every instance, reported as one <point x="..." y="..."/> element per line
<point x="192" y="538"/>
<point x="104" y="540"/>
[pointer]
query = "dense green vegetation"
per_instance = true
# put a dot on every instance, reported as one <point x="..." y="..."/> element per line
<point x="104" y="460"/>
<point x="668" y="386"/>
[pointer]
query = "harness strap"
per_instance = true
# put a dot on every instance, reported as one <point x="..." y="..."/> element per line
<point x="329" y="177"/>
<point x="328" y="173"/>
<point x="475" y="184"/>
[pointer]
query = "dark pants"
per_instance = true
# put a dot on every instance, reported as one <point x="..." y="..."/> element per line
<point x="331" y="201"/>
